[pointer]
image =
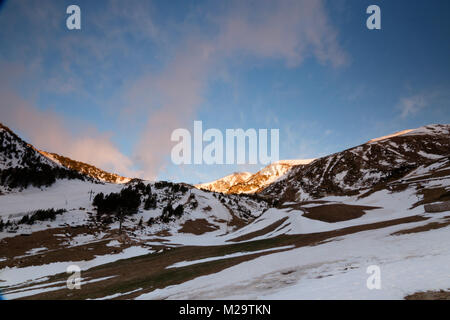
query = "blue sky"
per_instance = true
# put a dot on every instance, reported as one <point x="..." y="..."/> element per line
<point x="111" y="93"/>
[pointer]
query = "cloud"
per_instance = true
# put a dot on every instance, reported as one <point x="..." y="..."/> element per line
<point x="291" y="31"/>
<point x="411" y="105"/>
<point x="93" y="64"/>
<point x="415" y="103"/>
<point x="50" y="132"/>
<point x="42" y="57"/>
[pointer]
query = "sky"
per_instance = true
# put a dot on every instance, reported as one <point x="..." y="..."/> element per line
<point x="112" y="93"/>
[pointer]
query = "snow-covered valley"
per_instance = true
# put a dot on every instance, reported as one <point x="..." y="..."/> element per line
<point x="186" y="243"/>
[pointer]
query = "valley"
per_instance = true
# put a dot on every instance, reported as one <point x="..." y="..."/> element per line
<point x="306" y="230"/>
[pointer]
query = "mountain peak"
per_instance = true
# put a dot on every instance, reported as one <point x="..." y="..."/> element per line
<point x="85" y="168"/>
<point x="245" y="182"/>
<point x="432" y="129"/>
<point x="21" y="165"/>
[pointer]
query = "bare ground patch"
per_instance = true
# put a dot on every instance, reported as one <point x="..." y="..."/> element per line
<point x="424" y="228"/>
<point x="55" y="241"/>
<point x="432" y="195"/>
<point x="261" y="232"/>
<point x="197" y="227"/>
<point x="430" y="295"/>
<point x="336" y="212"/>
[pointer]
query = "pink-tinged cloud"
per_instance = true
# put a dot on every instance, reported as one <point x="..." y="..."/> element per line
<point x="49" y="132"/>
<point x="290" y="30"/>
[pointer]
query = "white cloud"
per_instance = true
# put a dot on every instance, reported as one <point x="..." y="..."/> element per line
<point x="415" y="103"/>
<point x="290" y="30"/>
<point x="409" y="106"/>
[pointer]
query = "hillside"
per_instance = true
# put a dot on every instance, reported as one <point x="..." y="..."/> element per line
<point x="311" y="234"/>
<point x="21" y="165"/>
<point x="246" y="182"/>
<point x="84" y="168"/>
<point x="373" y="164"/>
<point x="224" y="184"/>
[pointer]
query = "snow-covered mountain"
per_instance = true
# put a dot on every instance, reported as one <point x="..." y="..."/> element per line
<point x="374" y="163"/>
<point x="85" y="168"/>
<point x="16" y="153"/>
<point x="224" y="184"/>
<point x="311" y="234"/>
<point x="21" y="165"/>
<point x="245" y="182"/>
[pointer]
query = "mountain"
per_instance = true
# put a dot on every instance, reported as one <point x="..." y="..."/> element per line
<point x="319" y="224"/>
<point x="16" y="153"/>
<point x="224" y="184"/>
<point x="245" y="182"/>
<point x="85" y="168"/>
<point x="373" y="164"/>
<point x="21" y="165"/>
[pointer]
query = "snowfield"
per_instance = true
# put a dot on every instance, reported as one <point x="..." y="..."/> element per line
<point x="333" y="270"/>
<point x="295" y="241"/>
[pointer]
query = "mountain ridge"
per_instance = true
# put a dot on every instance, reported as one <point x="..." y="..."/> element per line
<point x="85" y="168"/>
<point x="22" y="164"/>
<point x="364" y="166"/>
<point x="245" y="182"/>
<point x="263" y="181"/>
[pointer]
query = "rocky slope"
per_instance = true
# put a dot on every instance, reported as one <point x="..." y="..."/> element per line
<point x="224" y="184"/>
<point x="245" y="182"/>
<point x="21" y="165"/>
<point x="16" y="153"/>
<point x="85" y="168"/>
<point x="376" y="162"/>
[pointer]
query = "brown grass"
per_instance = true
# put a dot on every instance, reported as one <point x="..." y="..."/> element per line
<point x="432" y="195"/>
<point x="336" y="212"/>
<point x="197" y="227"/>
<point x="427" y="227"/>
<point x="430" y="295"/>
<point x="261" y="232"/>
<point x="57" y="249"/>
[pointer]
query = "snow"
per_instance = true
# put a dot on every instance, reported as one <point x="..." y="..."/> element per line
<point x="72" y="195"/>
<point x="35" y="251"/>
<point x="113" y="243"/>
<point x="331" y="270"/>
<point x="13" y="158"/>
<point x="228" y="256"/>
<point x="429" y="156"/>
<point x="222" y="184"/>
<point x="117" y="295"/>
<point x="14" y="276"/>
<point x="260" y="179"/>
<point x="434" y="129"/>
<point x="391" y="135"/>
<point x="47" y="288"/>
<point x="339" y="178"/>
